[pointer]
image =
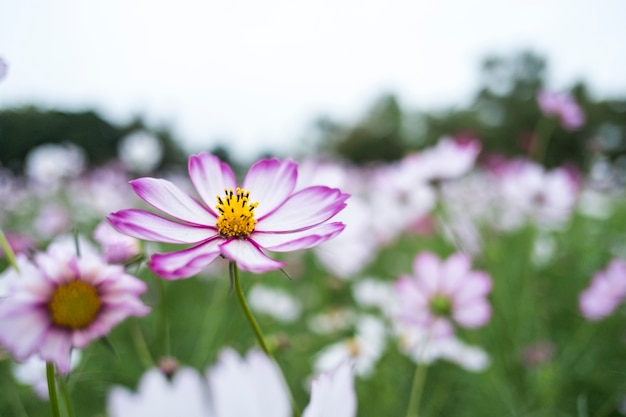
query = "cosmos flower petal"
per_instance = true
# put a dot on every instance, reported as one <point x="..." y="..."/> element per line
<point x="210" y="177"/>
<point x="304" y="209"/>
<point x="56" y="348"/>
<point x="332" y="394"/>
<point x="165" y="196"/>
<point x="270" y="182"/>
<point x="287" y="242"/>
<point x="427" y="269"/>
<point x="249" y="257"/>
<point x="144" y="225"/>
<point x="473" y="315"/>
<point x="185" y="263"/>
<point x="454" y="271"/>
<point x="21" y="333"/>
<point x="475" y="285"/>
<point x="411" y="295"/>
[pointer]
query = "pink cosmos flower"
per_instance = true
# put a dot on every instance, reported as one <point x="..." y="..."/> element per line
<point x="440" y="293"/>
<point x="61" y="301"/>
<point x="240" y="224"/>
<point x="563" y="106"/>
<point x="606" y="292"/>
<point x="530" y="192"/>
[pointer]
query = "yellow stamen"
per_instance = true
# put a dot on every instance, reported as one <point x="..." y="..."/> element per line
<point x="236" y="214"/>
<point x="74" y="305"/>
<point x="354" y="347"/>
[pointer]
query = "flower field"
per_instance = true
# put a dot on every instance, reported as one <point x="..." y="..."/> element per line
<point x="438" y="285"/>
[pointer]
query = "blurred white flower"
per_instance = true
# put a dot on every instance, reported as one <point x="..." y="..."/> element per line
<point x="48" y="164"/>
<point x="157" y="396"/>
<point x="252" y="386"/>
<point x="332" y="394"/>
<point x="400" y="197"/>
<point x="353" y="249"/>
<point x="332" y="321"/>
<point x="273" y="302"/>
<point x="530" y="193"/>
<point x="375" y="293"/>
<point x="32" y="371"/>
<point x="140" y="152"/>
<point x="543" y="249"/>
<point x="235" y="387"/>
<point x="422" y="347"/>
<point x="595" y="204"/>
<point x="363" y="349"/>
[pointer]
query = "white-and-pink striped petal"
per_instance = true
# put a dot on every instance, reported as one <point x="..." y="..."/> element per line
<point x="145" y="225"/>
<point x="287" y="242"/>
<point x="22" y="329"/>
<point x="187" y="262"/>
<point x="210" y="177"/>
<point x="304" y="209"/>
<point x="270" y="182"/>
<point x="249" y="257"/>
<point x="165" y="196"/>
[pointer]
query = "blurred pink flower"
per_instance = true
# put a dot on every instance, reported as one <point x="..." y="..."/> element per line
<point x="117" y="248"/>
<point x="239" y="224"/>
<point x="606" y="291"/>
<point x="439" y="294"/>
<point x="18" y="243"/>
<point x="530" y="193"/>
<point x="61" y="301"/>
<point x="562" y="106"/>
<point x="450" y="158"/>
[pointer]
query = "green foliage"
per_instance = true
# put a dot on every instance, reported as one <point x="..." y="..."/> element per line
<point x="23" y="129"/>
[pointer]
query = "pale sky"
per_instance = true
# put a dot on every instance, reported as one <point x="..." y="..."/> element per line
<point x="259" y="72"/>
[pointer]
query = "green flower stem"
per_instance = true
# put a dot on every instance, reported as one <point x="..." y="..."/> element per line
<point x="244" y="304"/>
<point x="141" y="347"/>
<point x="8" y="252"/>
<point x="417" y="389"/>
<point x="52" y="390"/>
<point x="66" y="398"/>
<point x="164" y="327"/>
<point x="255" y="327"/>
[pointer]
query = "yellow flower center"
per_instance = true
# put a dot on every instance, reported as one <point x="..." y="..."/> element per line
<point x="354" y="347"/>
<point x="236" y="214"/>
<point x="74" y="305"/>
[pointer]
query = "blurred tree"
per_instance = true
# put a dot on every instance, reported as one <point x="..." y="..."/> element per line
<point x="378" y="137"/>
<point x="504" y="115"/>
<point x="22" y="129"/>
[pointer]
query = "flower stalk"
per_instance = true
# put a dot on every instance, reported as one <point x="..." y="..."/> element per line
<point x="52" y="390"/>
<point x="416" y="389"/>
<point x="234" y="273"/>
